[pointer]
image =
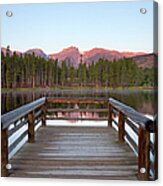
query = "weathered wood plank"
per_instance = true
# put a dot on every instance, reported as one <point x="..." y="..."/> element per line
<point x="75" y="152"/>
<point x="74" y="176"/>
<point x="111" y="162"/>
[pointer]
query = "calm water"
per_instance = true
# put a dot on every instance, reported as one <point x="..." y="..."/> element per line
<point x="141" y="100"/>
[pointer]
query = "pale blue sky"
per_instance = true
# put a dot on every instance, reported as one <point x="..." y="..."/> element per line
<point x="52" y="27"/>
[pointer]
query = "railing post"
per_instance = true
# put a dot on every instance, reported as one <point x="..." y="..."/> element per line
<point x="110" y="115"/>
<point x="43" y="115"/>
<point x="4" y="152"/>
<point x="143" y="154"/>
<point x="121" y="126"/>
<point x="31" y="127"/>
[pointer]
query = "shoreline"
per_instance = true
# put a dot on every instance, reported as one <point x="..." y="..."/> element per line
<point x="5" y="90"/>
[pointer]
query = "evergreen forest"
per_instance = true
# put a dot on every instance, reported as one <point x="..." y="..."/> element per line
<point x="29" y="71"/>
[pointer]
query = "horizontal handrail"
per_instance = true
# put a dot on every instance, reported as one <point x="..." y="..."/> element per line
<point x="137" y="117"/>
<point x="76" y="100"/>
<point x="69" y="110"/>
<point x="16" y="114"/>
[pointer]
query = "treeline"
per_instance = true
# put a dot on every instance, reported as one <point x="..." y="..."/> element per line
<point x="29" y="71"/>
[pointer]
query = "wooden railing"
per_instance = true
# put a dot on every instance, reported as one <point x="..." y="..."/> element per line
<point x="129" y="122"/>
<point x="52" y="113"/>
<point x="125" y="119"/>
<point x="31" y="114"/>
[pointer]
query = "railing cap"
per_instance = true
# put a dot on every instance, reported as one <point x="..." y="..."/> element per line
<point x="77" y="98"/>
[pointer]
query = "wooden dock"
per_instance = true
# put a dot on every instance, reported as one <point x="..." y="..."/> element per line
<point x="78" y="151"/>
<point x="75" y="152"/>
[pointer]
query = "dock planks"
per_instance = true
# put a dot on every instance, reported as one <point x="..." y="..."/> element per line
<point x="75" y="152"/>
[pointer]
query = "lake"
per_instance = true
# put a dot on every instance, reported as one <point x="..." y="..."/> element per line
<point x="142" y="100"/>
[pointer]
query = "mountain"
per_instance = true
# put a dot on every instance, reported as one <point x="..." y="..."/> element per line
<point x="71" y="55"/>
<point x="110" y="55"/>
<point x="146" y="61"/>
<point x="38" y="52"/>
<point x="97" y="53"/>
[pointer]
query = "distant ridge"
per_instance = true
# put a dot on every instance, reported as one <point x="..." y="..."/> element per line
<point x="36" y="51"/>
<point x="73" y="56"/>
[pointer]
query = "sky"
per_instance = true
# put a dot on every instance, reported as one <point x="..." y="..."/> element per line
<point x="52" y="27"/>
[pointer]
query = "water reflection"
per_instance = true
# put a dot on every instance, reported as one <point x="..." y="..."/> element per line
<point x="143" y="101"/>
